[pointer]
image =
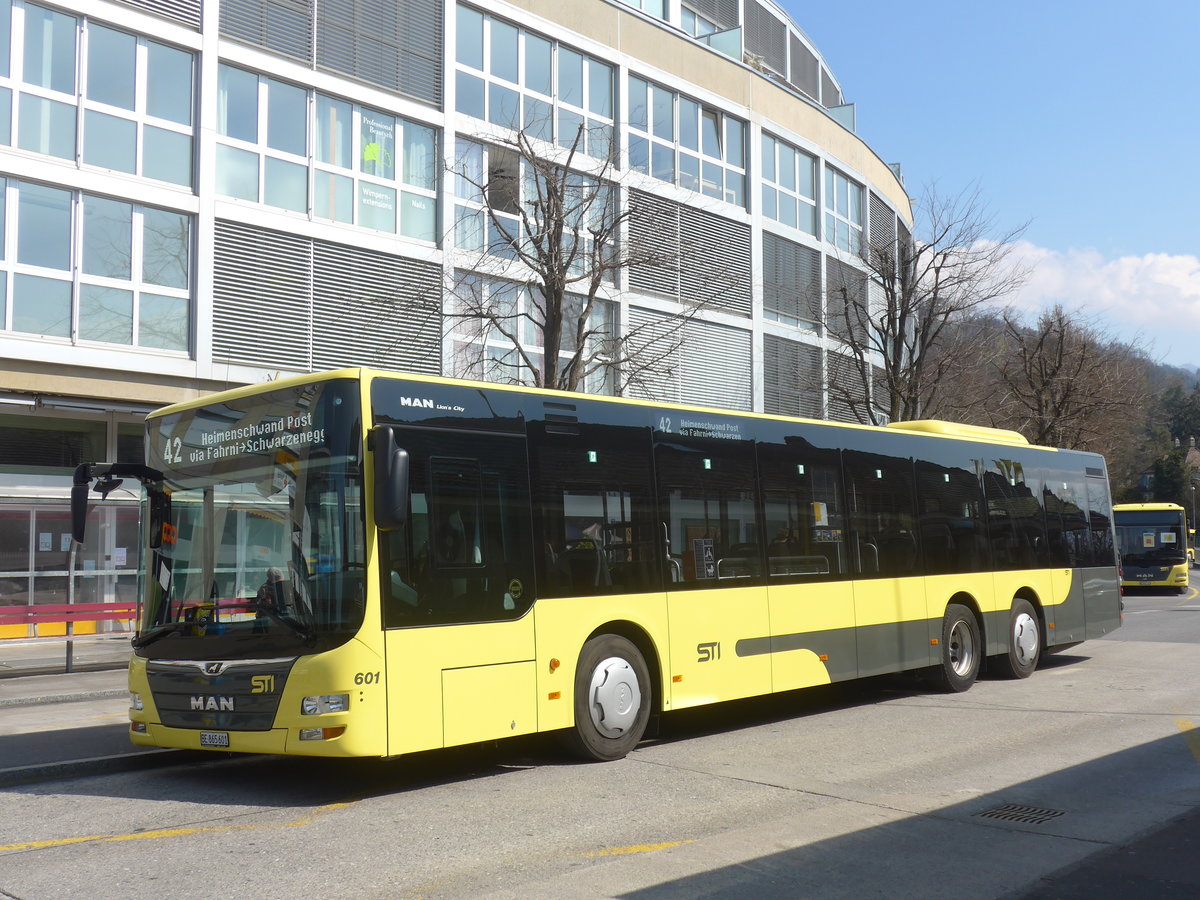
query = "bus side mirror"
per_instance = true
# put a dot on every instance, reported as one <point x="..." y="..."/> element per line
<point x="79" y="511"/>
<point x="391" y="480"/>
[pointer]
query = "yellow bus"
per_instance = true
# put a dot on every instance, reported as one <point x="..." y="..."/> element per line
<point x="1152" y="542"/>
<point x="363" y="563"/>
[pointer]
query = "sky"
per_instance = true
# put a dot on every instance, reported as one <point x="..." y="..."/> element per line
<point x="1078" y="117"/>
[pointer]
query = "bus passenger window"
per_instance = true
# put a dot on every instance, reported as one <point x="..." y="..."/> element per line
<point x="879" y="496"/>
<point x="593" y="514"/>
<point x="802" y="504"/>
<point x="707" y="489"/>
<point x="463" y="554"/>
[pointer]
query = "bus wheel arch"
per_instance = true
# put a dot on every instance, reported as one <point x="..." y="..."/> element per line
<point x="961" y="645"/>
<point x="1025" y="639"/>
<point x="614" y="693"/>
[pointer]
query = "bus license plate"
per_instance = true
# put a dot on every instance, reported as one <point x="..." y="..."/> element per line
<point x="214" y="739"/>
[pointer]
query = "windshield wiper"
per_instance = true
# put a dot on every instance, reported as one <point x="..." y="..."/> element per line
<point x="159" y="631"/>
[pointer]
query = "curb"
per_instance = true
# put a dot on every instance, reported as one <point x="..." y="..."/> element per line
<point x="8" y="702"/>
<point x="98" y="765"/>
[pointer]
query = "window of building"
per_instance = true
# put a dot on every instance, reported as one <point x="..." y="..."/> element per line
<point x="843" y="211"/>
<point x="789" y="185"/>
<point x="695" y="24"/>
<point x="500" y="195"/>
<point x="498" y="334"/>
<point x="367" y="167"/>
<point x="656" y="8"/>
<point x="679" y="140"/>
<point x="90" y="269"/>
<point x="90" y="93"/>
<point x="522" y="81"/>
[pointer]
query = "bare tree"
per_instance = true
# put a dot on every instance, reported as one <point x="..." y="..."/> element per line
<point x="554" y="237"/>
<point x="1065" y="385"/>
<point x="892" y="314"/>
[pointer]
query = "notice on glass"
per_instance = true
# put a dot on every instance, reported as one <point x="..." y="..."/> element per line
<point x="1167" y="537"/>
<point x="119" y="556"/>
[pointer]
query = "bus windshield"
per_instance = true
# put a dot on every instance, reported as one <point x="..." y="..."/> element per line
<point x="257" y="526"/>
<point x="1146" y="537"/>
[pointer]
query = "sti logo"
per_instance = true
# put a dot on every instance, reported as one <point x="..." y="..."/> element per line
<point x="423" y="402"/>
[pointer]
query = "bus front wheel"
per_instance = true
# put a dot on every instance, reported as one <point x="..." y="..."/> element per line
<point x="612" y="699"/>
<point x="1024" y="642"/>
<point x="960" y="646"/>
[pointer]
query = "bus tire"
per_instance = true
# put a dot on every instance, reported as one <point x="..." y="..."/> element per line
<point x="961" y="649"/>
<point x="1024" y="642"/>
<point x="612" y="699"/>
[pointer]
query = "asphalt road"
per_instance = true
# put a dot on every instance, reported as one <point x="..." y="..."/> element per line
<point x="1014" y="789"/>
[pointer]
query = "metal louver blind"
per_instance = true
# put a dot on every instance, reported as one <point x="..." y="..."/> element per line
<point x="766" y="36"/>
<point x="284" y="26"/>
<point x="791" y="378"/>
<point x="715" y="366"/>
<point x="262" y="304"/>
<point x="691" y="361"/>
<point x="396" y="44"/>
<point x="845" y="288"/>
<point x="654" y="341"/>
<point x="843" y="379"/>
<point x="882" y="226"/>
<point x="791" y="279"/>
<point x="714" y="266"/>
<point x="830" y="95"/>
<point x="723" y="12"/>
<point x="185" y="11"/>
<point x="375" y="309"/>
<point x="653" y="244"/>
<point x="806" y="69"/>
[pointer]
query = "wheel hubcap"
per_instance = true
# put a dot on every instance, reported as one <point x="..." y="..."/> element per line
<point x="1025" y="639"/>
<point x="615" y="697"/>
<point x="962" y="649"/>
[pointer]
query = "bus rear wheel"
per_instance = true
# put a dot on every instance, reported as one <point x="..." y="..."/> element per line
<point x="1024" y="642"/>
<point x="960" y="644"/>
<point x="612" y="699"/>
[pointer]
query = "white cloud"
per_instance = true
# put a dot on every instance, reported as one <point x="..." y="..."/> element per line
<point x="1155" y="297"/>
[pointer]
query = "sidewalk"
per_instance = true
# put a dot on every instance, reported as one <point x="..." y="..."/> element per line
<point x="55" y="724"/>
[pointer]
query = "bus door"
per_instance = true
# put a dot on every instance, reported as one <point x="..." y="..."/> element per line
<point x="894" y="622"/>
<point x="456" y="585"/>
<point x="810" y="595"/>
<point x="1069" y="542"/>
<point x="713" y="546"/>
<point x="1101" y="586"/>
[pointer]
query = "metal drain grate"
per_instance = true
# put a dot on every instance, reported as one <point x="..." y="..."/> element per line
<point x="1029" y="815"/>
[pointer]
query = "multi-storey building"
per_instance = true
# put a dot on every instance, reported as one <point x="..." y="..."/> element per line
<point x="198" y="194"/>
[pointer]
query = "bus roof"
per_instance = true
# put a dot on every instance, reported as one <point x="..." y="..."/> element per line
<point x="931" y="427"/>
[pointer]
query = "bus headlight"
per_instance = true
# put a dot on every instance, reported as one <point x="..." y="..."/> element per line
<point x="327" y="703"/>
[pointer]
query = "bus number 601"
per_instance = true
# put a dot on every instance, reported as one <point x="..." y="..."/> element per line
<point x="366" y="678"/>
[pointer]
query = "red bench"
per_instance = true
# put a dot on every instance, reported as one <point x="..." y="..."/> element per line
<point x="66" y="613"/>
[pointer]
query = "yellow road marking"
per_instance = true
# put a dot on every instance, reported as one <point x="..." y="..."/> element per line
<point x="626" y="851"/>
<point x="1191" y="734"/>
<point x="168" y="832"/>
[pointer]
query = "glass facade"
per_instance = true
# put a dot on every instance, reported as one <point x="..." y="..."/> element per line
<point x="365" y="167"/>
<point x="518" y="80"/>
<point x="789" y="185"/>
<point x="92" y="94"/>
<point x="86" y="268"/>
<point x="683" y="142"/>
